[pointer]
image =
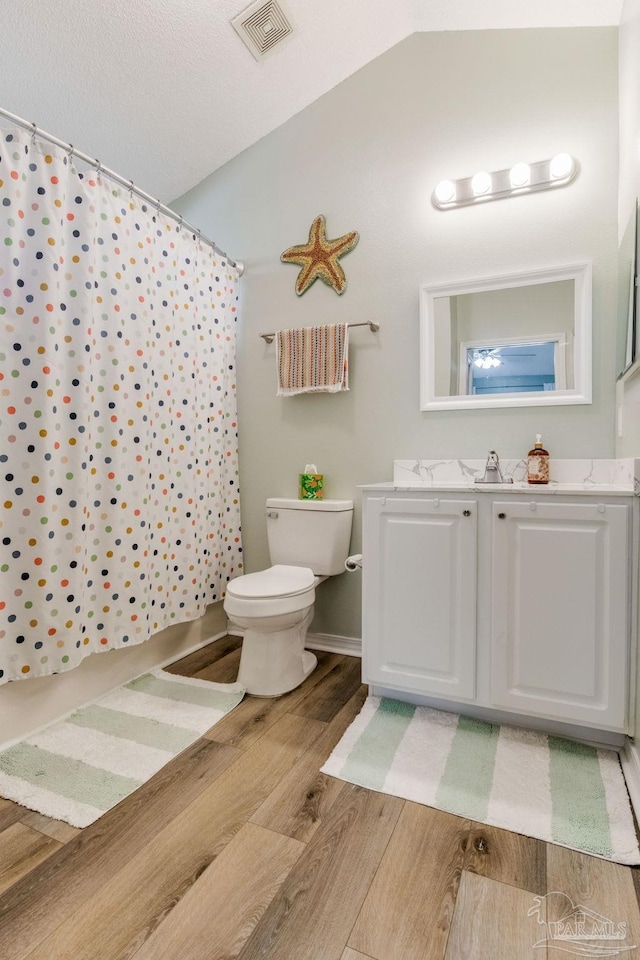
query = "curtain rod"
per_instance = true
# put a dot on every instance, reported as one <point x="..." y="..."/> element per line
<point x="129" y="184"/>
<point x="373" y="326"/>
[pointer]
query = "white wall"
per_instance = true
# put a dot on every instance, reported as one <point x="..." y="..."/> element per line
<point x="628" y="445"/>
<point x="629" y="53"/>
<point x="629" y="190"/>
<point x="367" y="155"/>
<point x="628" y="442"/>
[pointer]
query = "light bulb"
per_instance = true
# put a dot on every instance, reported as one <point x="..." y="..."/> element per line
<point x="485" y="361"/>
<point x="561" y="166"/>
<point x="445" y="191"/>
<point x="520" y="175"/>
<point x="481" y="183"/>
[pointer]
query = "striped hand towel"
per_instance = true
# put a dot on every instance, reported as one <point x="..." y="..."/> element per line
<point x="313" y="359"/>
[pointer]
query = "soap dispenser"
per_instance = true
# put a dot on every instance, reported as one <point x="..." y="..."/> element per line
<point x="538" y="463"/>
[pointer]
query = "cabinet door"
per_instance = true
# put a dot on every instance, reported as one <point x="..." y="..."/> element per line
<point x="560" y="610"/>
<point x="419" y="595"/>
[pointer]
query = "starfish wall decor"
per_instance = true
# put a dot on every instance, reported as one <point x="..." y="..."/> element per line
<point x="319" y="258"/>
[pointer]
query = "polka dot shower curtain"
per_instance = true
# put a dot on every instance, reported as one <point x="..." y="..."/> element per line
<point x="118" y="434"/>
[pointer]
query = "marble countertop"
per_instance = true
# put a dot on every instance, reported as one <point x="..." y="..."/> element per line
<point x="528" y="489"/>
<point x="574" y="477"/>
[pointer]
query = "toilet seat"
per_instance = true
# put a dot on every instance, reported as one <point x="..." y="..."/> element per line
<point x="278" y="581"/>
<point x="278" y="590"/>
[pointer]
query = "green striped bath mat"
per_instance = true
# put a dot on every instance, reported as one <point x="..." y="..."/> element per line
<point x="78" y="768"/>
<point x="541" y="786"/>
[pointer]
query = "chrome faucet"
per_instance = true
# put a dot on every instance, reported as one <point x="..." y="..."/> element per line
<point x="492" y="471"/>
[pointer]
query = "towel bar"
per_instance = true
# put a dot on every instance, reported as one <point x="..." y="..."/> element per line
<point x="373" y="326"/>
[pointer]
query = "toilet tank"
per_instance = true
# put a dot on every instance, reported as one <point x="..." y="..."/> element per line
<point x="310" y="533"/>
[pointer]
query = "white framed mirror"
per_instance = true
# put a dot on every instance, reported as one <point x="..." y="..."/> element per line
<point x="517" y="340"/>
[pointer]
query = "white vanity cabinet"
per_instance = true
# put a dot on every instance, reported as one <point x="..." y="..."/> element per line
<point x="420" y="594"/>
<point x="517" y="603"/>
<point x="560" y="589"/>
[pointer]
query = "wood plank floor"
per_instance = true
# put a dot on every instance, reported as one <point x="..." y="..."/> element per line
<point x="241" y="848"/>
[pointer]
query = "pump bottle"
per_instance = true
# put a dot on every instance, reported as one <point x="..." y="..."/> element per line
<point x="538" y="463"/>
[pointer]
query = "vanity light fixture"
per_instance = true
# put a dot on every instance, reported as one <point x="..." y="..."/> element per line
<point x="520" y="175"/>
<point x="559" y="171"/>
<point x="446" y="191"/>
<point x="561" y="166"/>
<point x="481" y="184"/>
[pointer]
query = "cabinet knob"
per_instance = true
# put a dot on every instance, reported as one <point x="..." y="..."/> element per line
<point x="466" y="513"/>
<point x="502" y="516"/>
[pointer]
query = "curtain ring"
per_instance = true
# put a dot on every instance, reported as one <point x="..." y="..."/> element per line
<point x="180" y="223"/>
<point x="158" y="206"/>
<point x="34" y="130"/>
<point x="131" y="189"/>
<point x="70" y="152"/>
<point x="98" y="169"/>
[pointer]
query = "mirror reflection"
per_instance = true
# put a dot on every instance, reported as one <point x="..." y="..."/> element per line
<point x="526" y="367"/>
<point x="514" y="340"/>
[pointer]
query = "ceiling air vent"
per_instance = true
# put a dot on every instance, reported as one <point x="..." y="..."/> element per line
<point x="262" y="26"/>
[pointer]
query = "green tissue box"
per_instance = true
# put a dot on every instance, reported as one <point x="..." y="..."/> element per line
<point x="310" y="486"/>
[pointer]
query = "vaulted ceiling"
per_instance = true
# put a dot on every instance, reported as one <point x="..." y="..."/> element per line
<point x="164" y="91"/>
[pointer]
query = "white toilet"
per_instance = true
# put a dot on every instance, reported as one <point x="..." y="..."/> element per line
<point x="308" y="542"/>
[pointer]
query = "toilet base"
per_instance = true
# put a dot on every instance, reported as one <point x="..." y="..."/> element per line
<point x="272" y="664"/>
<point x="308" y="666"/>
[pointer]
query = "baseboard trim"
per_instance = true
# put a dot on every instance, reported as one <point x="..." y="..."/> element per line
<point x="630" y="760"/>
<point x="349" y="646"/>
<point x="192" y="649"/>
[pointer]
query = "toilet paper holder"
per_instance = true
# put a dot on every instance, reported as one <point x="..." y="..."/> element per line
<point x="353" y="563"/>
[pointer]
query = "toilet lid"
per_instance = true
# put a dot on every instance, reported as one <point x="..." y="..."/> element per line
<point x="278" y="581"/>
